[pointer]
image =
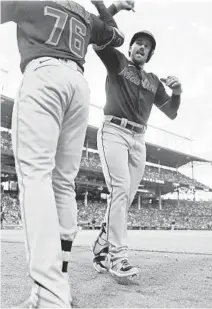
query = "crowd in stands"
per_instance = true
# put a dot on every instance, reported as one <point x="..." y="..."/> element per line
<point x="92" y="161"/>
<point x="186" y="215"/>
<point x="10" y="210"/>
<point x="6" y="141"/>
<point x="90" y="178"/>
<point x="151" y="172"/>
<point x="93" y="212"/>
<point x="8" y="169"/>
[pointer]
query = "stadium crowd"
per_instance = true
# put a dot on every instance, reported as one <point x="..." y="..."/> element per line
<point x="186" y="215"/>
<point x="10" y="210"/>
<point x="6" y="141"/>
<point x="91" y="160"/>
<point x="151" y="172"/>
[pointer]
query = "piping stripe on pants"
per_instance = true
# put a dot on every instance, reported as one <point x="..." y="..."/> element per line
<point x="111" y="193"/>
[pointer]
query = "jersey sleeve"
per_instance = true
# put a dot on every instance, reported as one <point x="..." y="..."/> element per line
<point x="169" y="105"/>
<point x="161" y="96"/>
<point x="103" y="35"/>
<point x="13" y="10"/>
<point x="8" y="9"/>
<point x="111" y="58"/>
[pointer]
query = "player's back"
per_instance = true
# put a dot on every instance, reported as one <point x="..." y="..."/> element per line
<point x="60" y="29"/>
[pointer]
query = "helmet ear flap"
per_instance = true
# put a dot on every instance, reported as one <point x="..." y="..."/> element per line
<point x="151" y="53"/>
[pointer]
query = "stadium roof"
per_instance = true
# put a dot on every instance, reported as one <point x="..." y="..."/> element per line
<point x="155" y="154"/>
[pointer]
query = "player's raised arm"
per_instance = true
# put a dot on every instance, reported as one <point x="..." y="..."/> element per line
<point x="105" y="33"/>
<point x="12" y="10"/>
<point x="107" y="53"/>
<point x="116" y="7"/>
<point x="104" y="14"/>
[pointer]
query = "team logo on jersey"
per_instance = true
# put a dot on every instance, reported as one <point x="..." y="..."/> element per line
<point x="130" y="75"/>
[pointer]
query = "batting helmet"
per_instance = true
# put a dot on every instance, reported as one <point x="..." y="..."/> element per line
<point x="149" y="35"/>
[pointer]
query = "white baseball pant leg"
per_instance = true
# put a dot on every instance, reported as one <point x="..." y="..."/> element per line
<point x="51" y="105"/>
<point x="123" y="155"/>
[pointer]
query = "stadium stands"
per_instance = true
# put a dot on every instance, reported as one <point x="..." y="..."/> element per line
<point x="186" y="215"/>
<point x="6" y="141"/>
<point x="10" y="210"/>
<point x="93" y="162"/>
<point x="151" y="172"/>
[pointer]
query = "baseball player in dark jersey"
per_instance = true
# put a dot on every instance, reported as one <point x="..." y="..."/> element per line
<point x="48" y="129"/>
<point x="130" y="95"/>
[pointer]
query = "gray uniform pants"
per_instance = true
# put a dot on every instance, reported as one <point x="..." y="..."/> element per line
<point x="48" y="129"/>
<point x="123" y="155"/>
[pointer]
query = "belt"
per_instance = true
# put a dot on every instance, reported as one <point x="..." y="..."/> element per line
<point x="128" y="126"/>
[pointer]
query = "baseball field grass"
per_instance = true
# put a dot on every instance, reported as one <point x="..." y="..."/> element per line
<point x="173" y="274"/>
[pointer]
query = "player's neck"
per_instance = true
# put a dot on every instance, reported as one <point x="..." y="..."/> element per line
<point x="141" y="66"/>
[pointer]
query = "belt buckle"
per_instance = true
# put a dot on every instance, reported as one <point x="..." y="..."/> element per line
<point x="139" y="129"/>
<point x="143" y="129"/>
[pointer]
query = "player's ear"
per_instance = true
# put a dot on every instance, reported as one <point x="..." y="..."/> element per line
<point x="152" y="53"/>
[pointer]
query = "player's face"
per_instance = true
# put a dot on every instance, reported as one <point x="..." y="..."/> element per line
<point x="140" y="50"/>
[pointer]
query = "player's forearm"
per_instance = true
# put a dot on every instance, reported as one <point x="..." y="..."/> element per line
<point x="105" y="14"/>
<point x="171" y="106"/>
<point x="112" y="9"/>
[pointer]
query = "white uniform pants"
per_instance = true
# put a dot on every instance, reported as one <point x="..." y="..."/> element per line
<point x="48" y="129"/>
<point x="123" y="156"/>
